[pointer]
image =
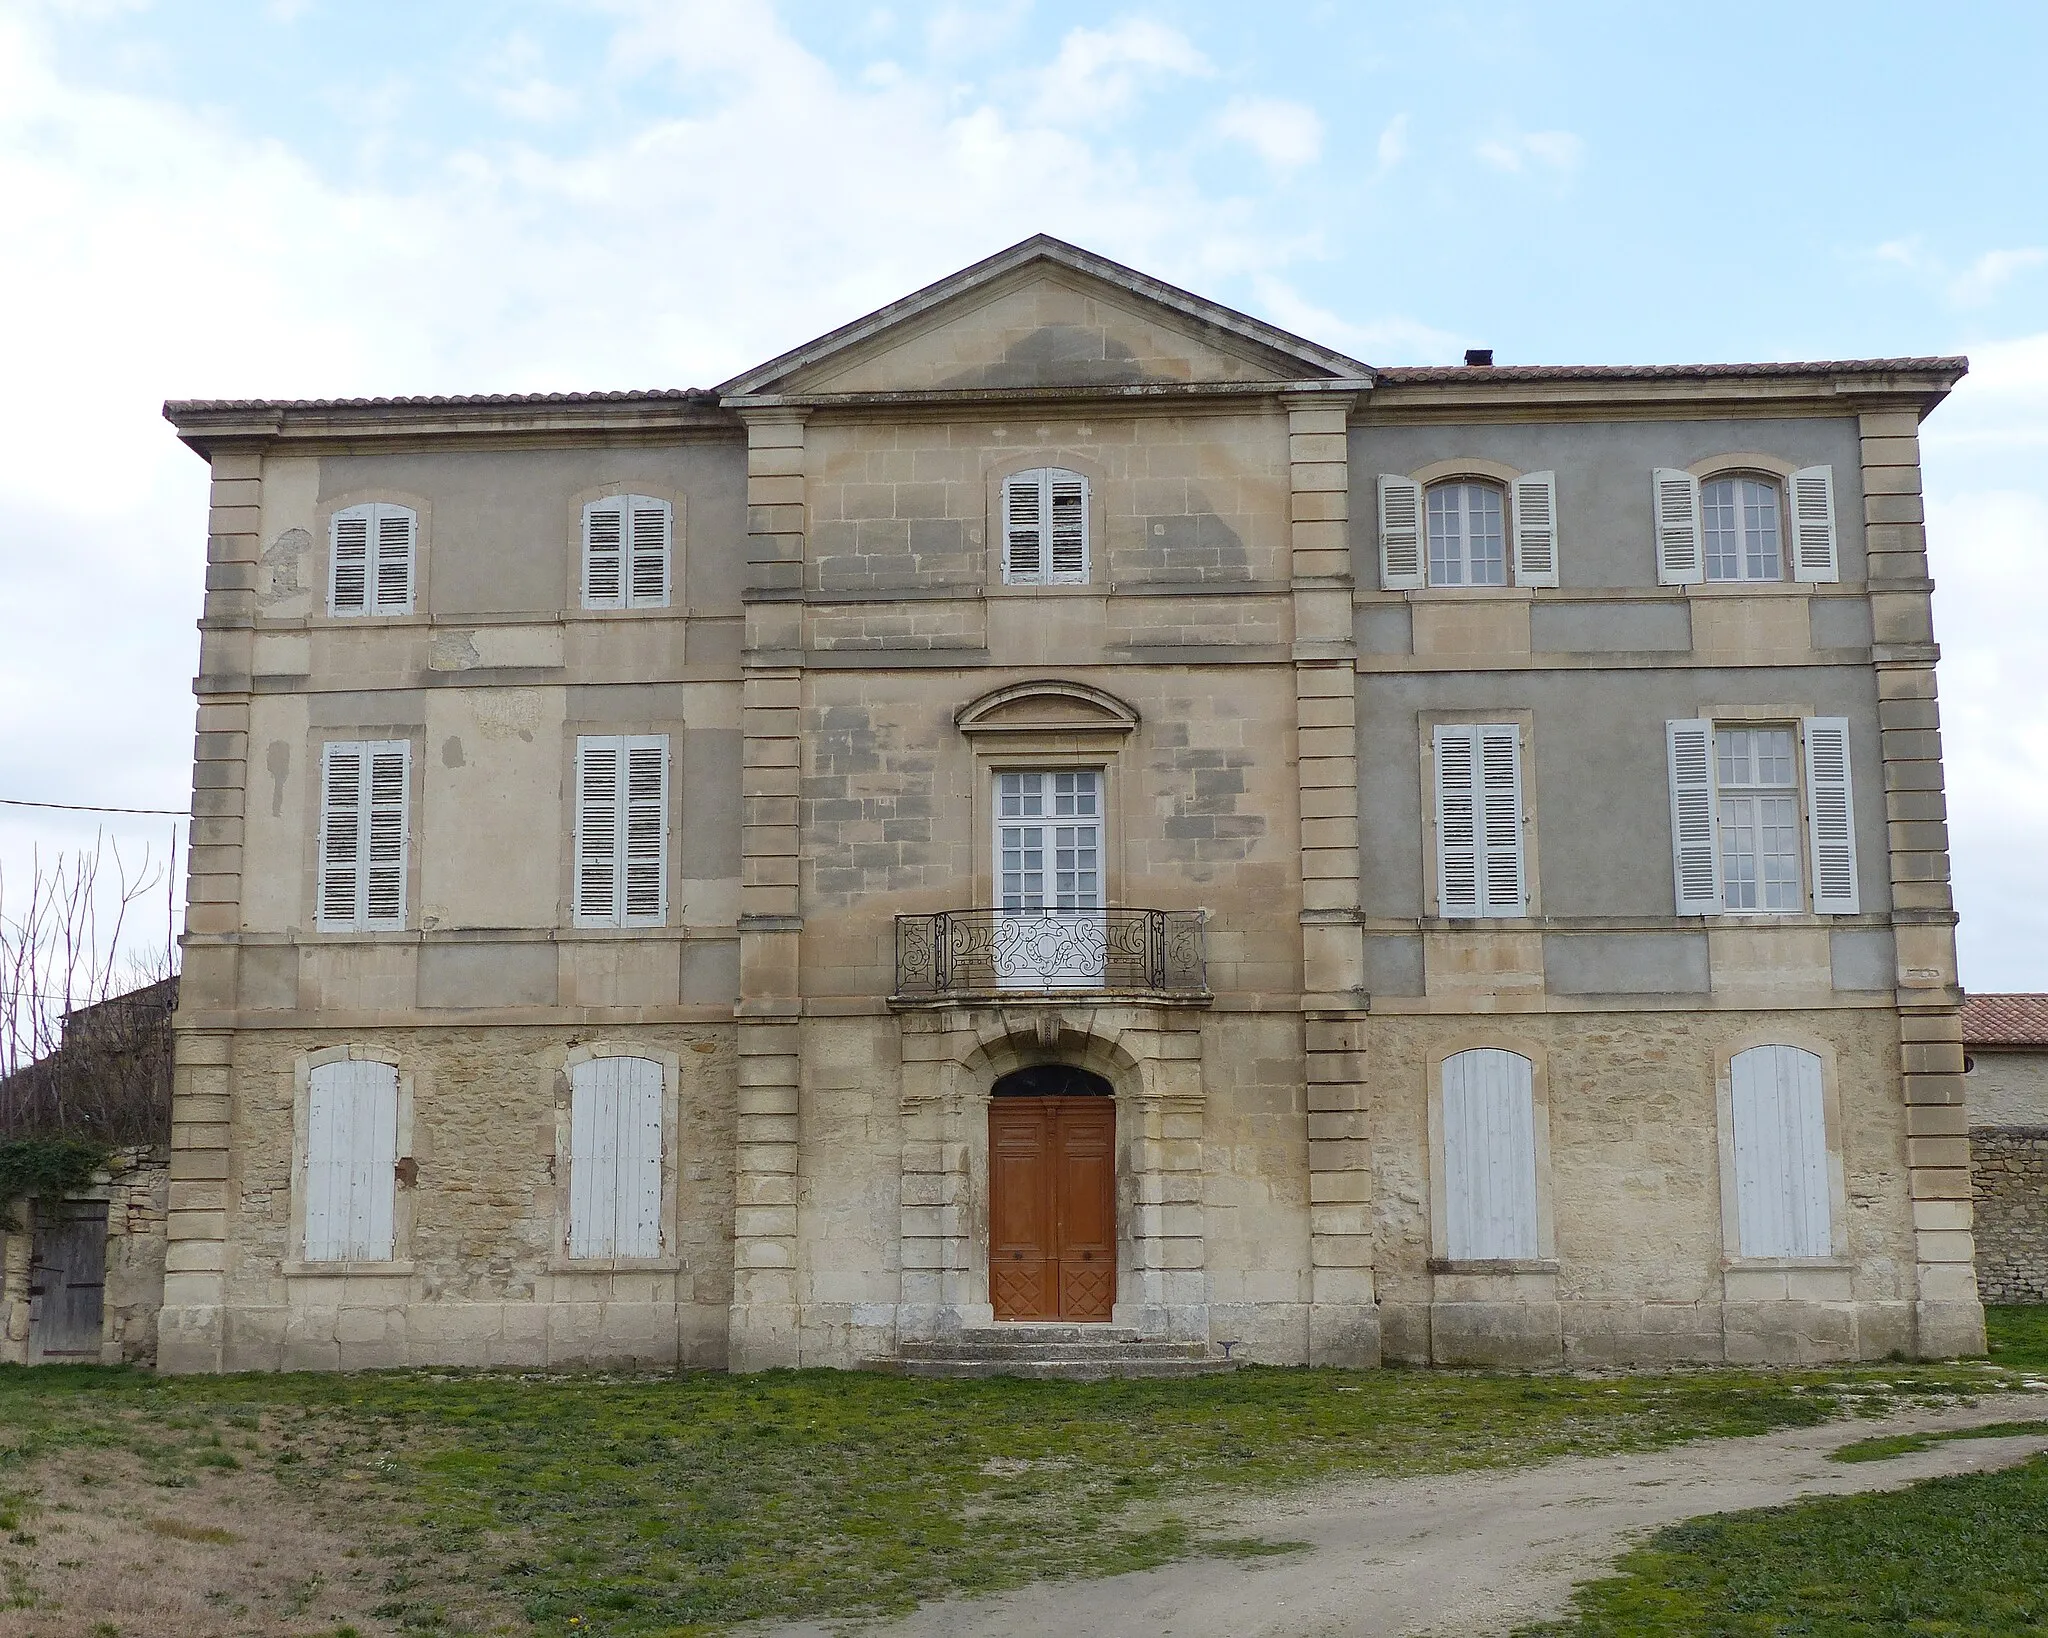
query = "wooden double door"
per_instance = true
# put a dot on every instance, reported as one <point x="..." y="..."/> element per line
<point x="1052" y="1207"/>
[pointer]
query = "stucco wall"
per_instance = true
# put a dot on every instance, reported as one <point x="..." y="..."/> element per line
<point x="2007" y="1088"/>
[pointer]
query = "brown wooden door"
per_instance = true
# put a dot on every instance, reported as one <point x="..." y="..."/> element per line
<point x="1052" y="1218"/>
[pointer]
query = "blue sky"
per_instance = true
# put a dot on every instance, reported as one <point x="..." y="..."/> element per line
<point x="306" y="198"/>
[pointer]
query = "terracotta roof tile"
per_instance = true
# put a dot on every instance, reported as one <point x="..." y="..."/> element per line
<point x="1431" y="373"/>
<point x="196" y="406"/>
<point x="2005" y="1020"/>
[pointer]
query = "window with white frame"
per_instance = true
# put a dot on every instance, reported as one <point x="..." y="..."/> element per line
<point x="1049" y="840"/>
<point x="615" y="1170"/>
<point x="350" y="1162"/>
<point x="1481" y="855"/>
<point x="1732" y="527"/>
<point x="365" y="805"/>
<point x="1736" y="796"/>
<point x="1782" y="1187"/>
<point x="621" y="830"/>
<point x="627" y="548"/>
<point x="370" y="559"/>
<point x="1489" y="1156"/>
<point x="1045" y="528"/>
<point x="1467" y="532"/>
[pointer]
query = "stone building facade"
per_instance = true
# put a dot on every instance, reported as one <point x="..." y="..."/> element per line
<point x="2005" y="1080"/>
<point x="672" y="869"/>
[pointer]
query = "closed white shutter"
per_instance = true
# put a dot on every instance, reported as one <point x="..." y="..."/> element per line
<point x="604" y="554"/>
<point x="395" y="527"/>
<point x="1781" y="1154"/>
<point x="1695" y="853"/>
<point x="342" y="769"/>
<point x="1401" y="567"/>
<point x="1023" y="529"/>
<point x="1813" y="524"/>
<point x="364" y="809"/>
<point x="1830" y="817"/>
<point x="621" y="830"/>
<point x="1535" y="502"/>
<point x="1480" y="869"/>
<point x="1489" y="1122"/>
<point x="348" y="586"/>
<point x="1675" y="497"/>
<point x="646" y="807"/>
<point x="615" y="1158"/>
<point x="351" y="1157"/>
<point x="648" y="581"/>
<point x="1067" y="505"/>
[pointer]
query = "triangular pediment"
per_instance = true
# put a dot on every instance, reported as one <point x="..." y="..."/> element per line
<point x="1044" y="315"/>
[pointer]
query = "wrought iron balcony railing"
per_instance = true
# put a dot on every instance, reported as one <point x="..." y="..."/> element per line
<point x="1002" y="951"/>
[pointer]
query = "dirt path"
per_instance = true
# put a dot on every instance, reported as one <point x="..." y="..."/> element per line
<point x="1458" y="1557"/>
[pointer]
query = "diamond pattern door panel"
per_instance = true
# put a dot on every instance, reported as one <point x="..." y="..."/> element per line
<point x="1052" y="1217"/>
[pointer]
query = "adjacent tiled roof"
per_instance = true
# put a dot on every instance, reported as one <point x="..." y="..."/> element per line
<point x="198" y="406"/>
<point x="1664" y="372"/>
<point x="2005" y="1020"/>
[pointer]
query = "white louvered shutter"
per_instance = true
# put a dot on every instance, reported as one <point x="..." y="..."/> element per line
<point x="351" y="1156"/>
<point x="648" y="580"/>
<point x="1695" y="849"/>
<point x="1831" y="817"/>
<point x="1813" y="524"/>
<point x="1023" y="529"/>
<point x="1781" y="1153"/>
<point x="1489" y="1121"/>
<point x="615" y="1158"/>
<point x="385" y="824"/>
<point x="1457" y="822"/>
<point x="1480" y="868"/>
<point x="395" y="529"/>
<point x="604" y="554"/>
<point x="1066" y="500"/>
<point x="348" y="588"/>
<point x="646" y="808"/>
<point x="622" y="830"/>
<point x="342" y="767"/>
<point x="1401" y="565"/>
<point x="1676" y="498"/>
<point x="1535" y="503"/>
<point x="599" y="822"/>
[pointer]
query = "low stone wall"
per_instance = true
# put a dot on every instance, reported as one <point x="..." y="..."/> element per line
<point x="2009" y="1177"/>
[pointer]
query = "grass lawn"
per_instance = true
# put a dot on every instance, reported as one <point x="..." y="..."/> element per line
<point x="1962" y="1556"/>
<point x="665" y="1505"/>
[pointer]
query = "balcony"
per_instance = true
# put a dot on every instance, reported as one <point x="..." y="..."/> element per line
<point x="1023" y="953"/>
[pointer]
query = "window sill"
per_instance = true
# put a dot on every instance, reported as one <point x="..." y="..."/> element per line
<point x="1788" y="1265"/>
<point x="1494" y="1265"/>
<point x="1025" y="589"/>
<point x="401" y="1269"/>
<point x="615" y="1265"/>
<point x="1749" y="588"/>
<point x="1467" y="594"/>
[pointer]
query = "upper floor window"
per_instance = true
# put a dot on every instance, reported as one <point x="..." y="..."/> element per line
<point x="1467" y="535"/>
<point x="1045" y="528"/>
<point x="1468" y="532"/>
<point x="365" y="800"/>
<point x="1738" y="526"/>
<point x="1735" y="817"/>
<point x="626" y="552"/>
<point x="1049" y="840"/>
<point x="1481" y="867"/>
<point x="1739" y="518"/>
<point x="370" y="564"/>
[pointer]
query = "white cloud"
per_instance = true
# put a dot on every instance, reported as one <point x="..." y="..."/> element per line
<point x="1285" y="134"/>
<point x="1393" y="143"/>
<point x="1558" y="151"/>
<point x="1387" y="340"/>
<point x="1975" y="285"/>
<point x="1099" y="72"/>
<point x="512" y="83"/>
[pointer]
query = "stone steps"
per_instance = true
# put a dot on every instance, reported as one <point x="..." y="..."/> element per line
<point x="1073" y="1353"/>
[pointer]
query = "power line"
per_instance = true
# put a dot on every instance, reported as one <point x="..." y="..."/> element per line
<point x="89" y="807"/>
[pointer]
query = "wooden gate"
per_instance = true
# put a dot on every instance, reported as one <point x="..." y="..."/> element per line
<point x="1052" y="1208"/>
<point x="67" y="1281"/>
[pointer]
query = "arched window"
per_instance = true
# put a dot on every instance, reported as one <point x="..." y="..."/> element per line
<point x="1741" y="528"/>
<point x="1489" y="1127"/>
<point x="1045" y="528"/>
<point x="615" y="1158"/>
<point x="1781" y="1153"/>
<point x="1467" y="534"/>
<point x="351" y="1161"/>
